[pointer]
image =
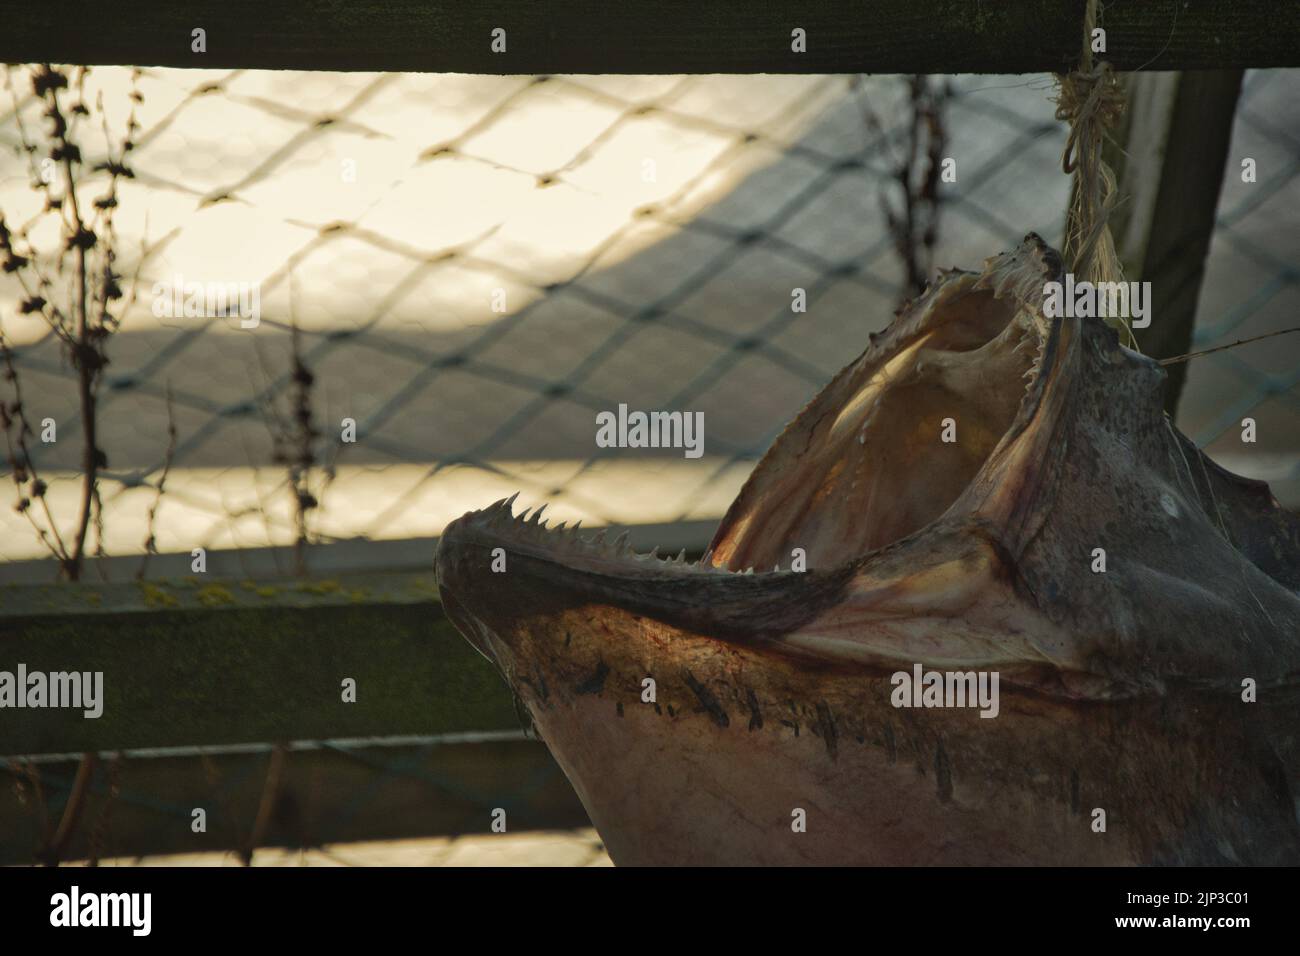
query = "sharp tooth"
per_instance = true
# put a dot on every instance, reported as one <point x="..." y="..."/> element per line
<point x="509" y="504"/>
<point x="537" y="515"/>
<point x="620" y="544"/>
<point x="654" y="553"/>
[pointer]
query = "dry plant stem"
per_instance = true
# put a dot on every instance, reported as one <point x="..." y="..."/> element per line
<point x="919" y="225"/>
<point x="913" y="226"/>
<point x="294" y="437"/>
<point x="86" y="356"/>
<point x="151" y="541"/>
<point x="103" y="819"/>
<point x="87" y="324"/>
<point x="86" y="375"/>
<point x="83" y="337"/>
<point x="300" y="471"/>
<point x="52" y="853"/>
<point x="266" y="806"/>
<point x="22" y="467"/>
<point x="32" y="774"/>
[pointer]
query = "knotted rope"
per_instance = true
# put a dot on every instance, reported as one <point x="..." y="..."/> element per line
<point x="1091" y="100"/>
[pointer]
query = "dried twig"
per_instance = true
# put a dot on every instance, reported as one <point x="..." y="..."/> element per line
<point x="913" y="219"/>
<point x="294" y="438"/>
<point x="92" y="292"/>
<point x="53" y="851"/>
<point x="112" y="788"/>
<point x="151" y="541"/>
<point x="266" y="805"/>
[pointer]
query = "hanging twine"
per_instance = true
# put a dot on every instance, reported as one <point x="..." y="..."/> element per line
<point x="1091" y="100"/>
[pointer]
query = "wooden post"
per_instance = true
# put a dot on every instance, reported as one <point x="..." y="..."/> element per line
<point x="1175" y="143"/>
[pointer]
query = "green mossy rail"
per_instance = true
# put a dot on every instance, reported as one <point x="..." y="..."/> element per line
<point x="197" y="662"/>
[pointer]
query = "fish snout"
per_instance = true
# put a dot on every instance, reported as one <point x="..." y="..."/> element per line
<point x="462" y="568"/>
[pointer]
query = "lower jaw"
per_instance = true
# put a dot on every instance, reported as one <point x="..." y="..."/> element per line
<point x="678" y="790"/>
<point x="713" y="766"/>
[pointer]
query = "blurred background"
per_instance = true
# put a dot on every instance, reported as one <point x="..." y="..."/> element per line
<point x="475" y="266"/>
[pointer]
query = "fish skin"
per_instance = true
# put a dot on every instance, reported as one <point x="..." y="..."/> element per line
<point x="1120" y="692"/>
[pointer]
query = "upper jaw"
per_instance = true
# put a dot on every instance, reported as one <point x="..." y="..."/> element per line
<point x="530" y="535"/>
<point x="549" y="570"/>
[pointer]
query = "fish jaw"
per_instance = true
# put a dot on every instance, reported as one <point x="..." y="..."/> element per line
<point x="697" y="730"/>
<point x="690" y="750"/>
<point x="948" y="598"/>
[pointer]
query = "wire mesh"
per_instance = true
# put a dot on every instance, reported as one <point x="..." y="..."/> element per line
<point x="478" y="265"/>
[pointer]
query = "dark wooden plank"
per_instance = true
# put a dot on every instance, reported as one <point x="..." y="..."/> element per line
<point x="1177" y="137"/>
<point x="199" y="662"/>
<point x="671" y="36"/>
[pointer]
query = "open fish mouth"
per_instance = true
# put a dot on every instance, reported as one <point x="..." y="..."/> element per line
<point x="863" y="467"/>
<point x="985" y="490"/>
<point x="867" y="463"/>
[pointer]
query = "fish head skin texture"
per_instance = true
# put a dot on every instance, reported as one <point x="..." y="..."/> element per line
<point x="1066" y="539"/>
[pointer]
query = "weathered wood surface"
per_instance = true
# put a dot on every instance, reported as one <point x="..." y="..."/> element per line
<point x="595" y="36"/>
<point x="202" y="662"/>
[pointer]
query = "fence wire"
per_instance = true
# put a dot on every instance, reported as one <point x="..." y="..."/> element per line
<point x="641" y="237"/>
<point x="644" y="234"/>
<point x="479" y="264"/>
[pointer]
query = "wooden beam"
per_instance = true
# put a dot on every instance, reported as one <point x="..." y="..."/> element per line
<point x="673" y="36"/>
<point x="199" y="662"/>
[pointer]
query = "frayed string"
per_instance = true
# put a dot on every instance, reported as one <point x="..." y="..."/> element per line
<point x="1091" y="100"/>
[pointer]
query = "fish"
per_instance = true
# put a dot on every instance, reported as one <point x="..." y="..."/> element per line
<point x="984" y="492"/>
